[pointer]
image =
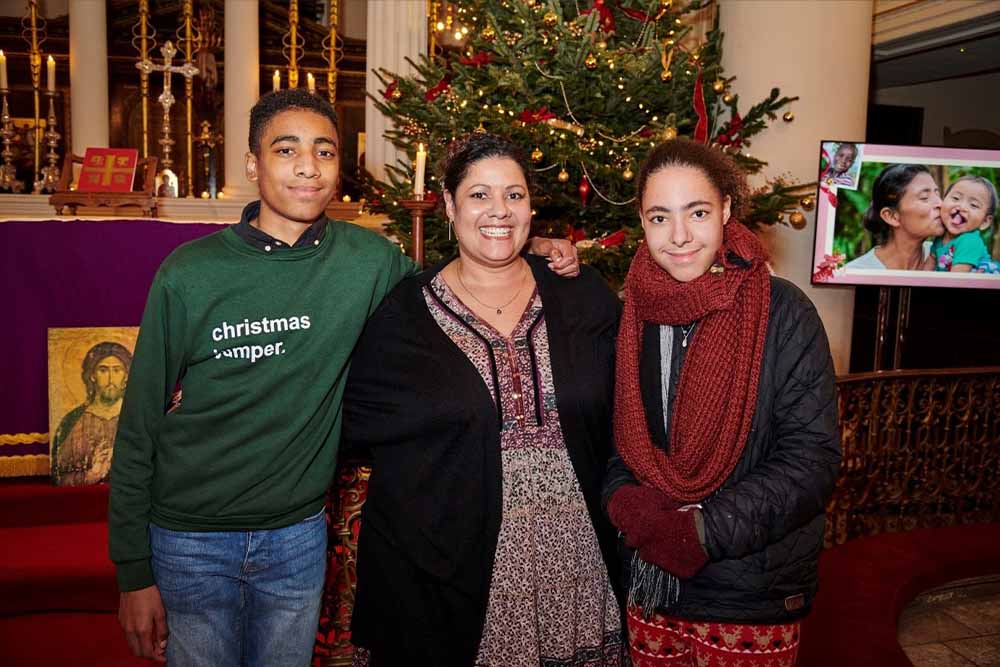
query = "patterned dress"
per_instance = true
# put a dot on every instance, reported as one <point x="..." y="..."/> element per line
<point x="550" y="600"/>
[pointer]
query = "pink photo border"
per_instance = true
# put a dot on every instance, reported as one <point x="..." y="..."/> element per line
<point x="828" y="268"/>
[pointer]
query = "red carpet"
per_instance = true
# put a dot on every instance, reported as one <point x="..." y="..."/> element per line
<point x="866" y="583"/>
<point x="62" y="639"/>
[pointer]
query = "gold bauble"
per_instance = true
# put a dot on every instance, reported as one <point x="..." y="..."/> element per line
<point x="670" y="133"/>
<point x="602" y="45"/>
<point x="550" y="19"/>
<point x="797" y="220"/>
<point x="529" y="3"/>
<point x="666" y="75"/>
<point x="396" y="94"/>
<point x="590" y="62"/>
<point x="719" y="85"/>
<point x="488" y="33"/>
<point x="563" y="176"/>
<point x="788" y="117"/>
<point x="627" y="174"/>
<point x="537" y="155"/>
<point x="807" y="203"/>
<point x="728" y="98"/>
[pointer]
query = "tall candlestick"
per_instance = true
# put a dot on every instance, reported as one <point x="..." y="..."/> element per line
<point x="311" y="82"/>
<point x="3" y="70"/>
<point x="51" y="74"/>
<point x="418" y="177"/>
<point x="276" y="81"/>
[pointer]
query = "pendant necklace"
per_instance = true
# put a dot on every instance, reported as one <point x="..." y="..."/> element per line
<point x="686" y="331"/>
<point x="499" y="308"/>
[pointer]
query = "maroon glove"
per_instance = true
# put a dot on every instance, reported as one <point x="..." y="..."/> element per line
<point x="664" y="536"/>
<point x="633" y="509"/>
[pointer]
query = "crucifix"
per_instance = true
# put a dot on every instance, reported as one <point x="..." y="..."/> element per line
<point x="166" y="100"/>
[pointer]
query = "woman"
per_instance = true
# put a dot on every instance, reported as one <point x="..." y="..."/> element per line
<point x="725" y="428"/>
<point x="905" y="212"/>
<point x="483" y="390"/>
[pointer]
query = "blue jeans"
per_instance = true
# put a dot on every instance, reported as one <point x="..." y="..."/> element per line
<point x="241" y="598"/>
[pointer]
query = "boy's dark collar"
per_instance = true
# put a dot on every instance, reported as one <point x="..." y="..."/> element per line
<point x="261" y="240"/>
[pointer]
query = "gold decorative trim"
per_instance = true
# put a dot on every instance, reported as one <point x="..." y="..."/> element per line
<point x="30" y="465"/>
<point x="23" y="439"/>
<point x="919" y="450"/>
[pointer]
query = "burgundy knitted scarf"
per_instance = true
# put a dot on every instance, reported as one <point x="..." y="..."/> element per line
<point x="717" y="394"/>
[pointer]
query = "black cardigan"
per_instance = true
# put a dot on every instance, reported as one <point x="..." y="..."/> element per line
<point x="431" y="521"/>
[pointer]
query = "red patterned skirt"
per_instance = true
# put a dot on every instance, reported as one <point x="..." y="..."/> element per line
<point x="665" y="640"/>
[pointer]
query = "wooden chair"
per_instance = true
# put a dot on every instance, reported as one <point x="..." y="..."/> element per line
<point x="144" y="198"/>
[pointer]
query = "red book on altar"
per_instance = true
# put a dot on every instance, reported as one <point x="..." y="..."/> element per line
<point x="108" y="170"/>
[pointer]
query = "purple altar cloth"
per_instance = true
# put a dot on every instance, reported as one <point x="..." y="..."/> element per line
<point x="70" y="274"/>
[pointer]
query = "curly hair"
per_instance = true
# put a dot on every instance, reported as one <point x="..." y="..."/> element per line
<point x="465" y="151"/>
<point x="271" y="104"/>
<point x="722" y="172"/>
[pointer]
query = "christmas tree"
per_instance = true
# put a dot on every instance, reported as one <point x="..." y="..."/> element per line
<point x="587" y="87"/>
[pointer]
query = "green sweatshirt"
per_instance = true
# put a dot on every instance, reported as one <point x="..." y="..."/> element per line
<point x="260" y="343"/>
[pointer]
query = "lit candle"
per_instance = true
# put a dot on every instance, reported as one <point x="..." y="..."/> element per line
<point x="276" y="80"/>
<point x="52" y="74"/>
<point x="3" y="70"/>
<point x="418" y="177"/>
<point x="311" y="82"/>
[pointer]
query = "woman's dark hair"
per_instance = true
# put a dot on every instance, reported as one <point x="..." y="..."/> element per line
<point x="888" y="190"/>
<point x="466" y="151"/>
<point x="991" y="209"/>
<point x="721" y="170"/>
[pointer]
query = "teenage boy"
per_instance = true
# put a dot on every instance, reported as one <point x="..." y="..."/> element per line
<point x="217" y="521"/>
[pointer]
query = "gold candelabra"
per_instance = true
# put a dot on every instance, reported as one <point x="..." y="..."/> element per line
<point x="8" y="174"/>
<point x="292" y="43"/>
<point x="144" y="39"/>
<point x="332" y="53"/>
<point x="189" y="94"/>
<point x="34" y="34"/>
<point x="50" y="173"/>
<point x="208" y="140"/>
<point x="166" y="98"/>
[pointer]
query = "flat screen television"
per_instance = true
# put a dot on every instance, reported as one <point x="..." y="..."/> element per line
<point x="907" y="216"/>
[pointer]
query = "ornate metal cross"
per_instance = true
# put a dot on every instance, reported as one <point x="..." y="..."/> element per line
<point x="166" y="98"/>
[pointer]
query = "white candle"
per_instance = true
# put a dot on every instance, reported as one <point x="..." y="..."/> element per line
<point x="418" y="177"/>
<point x="276" y="80"/>
<point x="3" y="70"/>
<point x="52" y="74"/>
<point x="311" y="82"/>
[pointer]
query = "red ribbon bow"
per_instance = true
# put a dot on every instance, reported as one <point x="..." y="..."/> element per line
<point x="433" y="93"/>
<point x="478" y="60"/>
<point x="607" y="18"/>
<point x="387" y="93"/>
<point x="530" y="117"/>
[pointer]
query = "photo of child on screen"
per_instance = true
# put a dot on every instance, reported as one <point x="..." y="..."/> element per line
<point x="969" y="206"/>
<point x="840" y="164"/>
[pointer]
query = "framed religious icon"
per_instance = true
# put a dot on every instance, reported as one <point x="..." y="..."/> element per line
<point x="88" y="372"/>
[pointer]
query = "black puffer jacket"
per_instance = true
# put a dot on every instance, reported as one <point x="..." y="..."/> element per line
<point x="764" y="526"/>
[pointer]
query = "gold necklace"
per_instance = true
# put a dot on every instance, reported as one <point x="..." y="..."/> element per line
<point x="499" y="308"/>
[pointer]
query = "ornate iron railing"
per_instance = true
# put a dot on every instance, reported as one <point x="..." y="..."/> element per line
<point x="920" y="449"/>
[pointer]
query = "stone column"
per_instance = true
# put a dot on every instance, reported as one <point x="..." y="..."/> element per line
<point x="88" y="74"/>
<point x="241" y="90"/>
<point x="396" y="31"/>
<point x="819" y="51"/>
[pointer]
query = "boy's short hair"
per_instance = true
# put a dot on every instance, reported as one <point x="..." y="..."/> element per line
<point x="273" y="103"/>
